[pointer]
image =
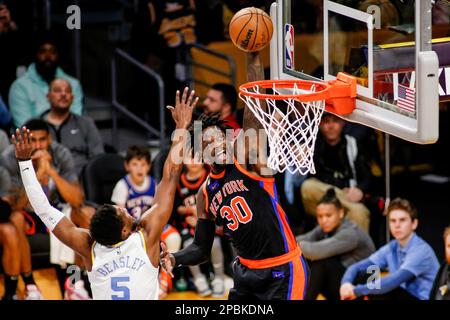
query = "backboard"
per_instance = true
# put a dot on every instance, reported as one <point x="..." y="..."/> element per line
<point x="386" y="44"/>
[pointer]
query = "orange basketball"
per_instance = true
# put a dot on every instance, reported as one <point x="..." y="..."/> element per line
<point x="251" y="29"/>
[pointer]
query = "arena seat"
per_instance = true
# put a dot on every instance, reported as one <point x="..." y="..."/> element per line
<point x="100" y="175"/>
<point x="156" y="170"/>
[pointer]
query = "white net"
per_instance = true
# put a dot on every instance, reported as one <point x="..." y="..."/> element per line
<point x="291" y="127"/>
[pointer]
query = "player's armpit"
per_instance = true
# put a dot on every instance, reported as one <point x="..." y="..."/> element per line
<point x="75" y="238"/>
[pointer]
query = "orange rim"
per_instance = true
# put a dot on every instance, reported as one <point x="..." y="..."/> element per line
<point x="321" y="93"/>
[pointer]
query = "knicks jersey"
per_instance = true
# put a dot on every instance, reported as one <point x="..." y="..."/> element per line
<point x="247" y="207"/>
<point x="123" y="271"/>
<point x="187" y="189"/>
<point x="139" y="201"/>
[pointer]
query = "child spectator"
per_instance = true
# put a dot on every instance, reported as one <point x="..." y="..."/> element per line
<point x="190" y="182"/>
<point x="411" y="262"/>
<point x="135" y="192"/>
<point x="331" y="247"/>
<point x="441" y="287"/>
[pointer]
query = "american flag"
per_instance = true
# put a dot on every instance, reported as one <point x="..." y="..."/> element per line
<point x="406" y="98"/>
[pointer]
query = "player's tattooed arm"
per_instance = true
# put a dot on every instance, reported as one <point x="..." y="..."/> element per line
<point x="154" y="219"/>
<point x="256" y="158"/>
<point x="75" y="238"/>
<point x="255" y="72"/>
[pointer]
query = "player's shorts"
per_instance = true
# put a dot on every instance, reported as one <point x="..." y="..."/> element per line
<point x="269" y="279"/>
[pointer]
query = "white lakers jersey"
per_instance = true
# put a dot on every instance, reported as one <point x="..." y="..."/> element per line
<point x="123" y="271"/>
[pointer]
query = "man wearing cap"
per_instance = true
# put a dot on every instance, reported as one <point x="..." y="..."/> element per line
<point x="28" y="94"/>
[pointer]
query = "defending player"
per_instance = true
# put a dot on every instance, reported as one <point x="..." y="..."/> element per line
<point x="121" y="253"/>
<point x="237" y="196"/>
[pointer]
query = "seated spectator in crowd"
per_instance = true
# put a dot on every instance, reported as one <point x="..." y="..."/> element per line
<point x="191" y="180"/>
<point x="441" y="287"/>
<point x="411" y="262"/>
<point x="222" y="98"/>
<point x="338" y="164"/>
<point x="56" y="173"/>
<point x="5" y="116"/>
<point x="4" y="140"/>
<point x="77" y="133"/>
<point x="11" y="246"/>
<point x="135" y="192"/>
<point x="28" y="94"/>
<point x="331" y="247"/>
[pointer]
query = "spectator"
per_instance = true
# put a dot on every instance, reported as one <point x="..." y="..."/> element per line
<point x="9" y="241"/>
<point x="56" y="173"/>
<point x="331" y="247"/>
<point x="11" y="250"/>
<point x="28" y="94"/>
<point x="441" y="286"/>
<point x="77" y="133"/>
<point x="222" y="98"/>
<point x="190" y="182"/>
<point x="5" y="180"/>
<point x="4" y="140"/>
<point x="5" y="116"/>
<point x="339" y="164"/>
<point x="13" y="51"/>
<point x="411" y="262"/>
<point x="135" y="192"/>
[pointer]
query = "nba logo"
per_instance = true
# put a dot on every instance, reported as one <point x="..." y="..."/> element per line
<point x="214" y="185"/>
<point x="289" y="45"/>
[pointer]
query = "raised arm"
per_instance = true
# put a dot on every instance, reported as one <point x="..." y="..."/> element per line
<point x="200" y="250"/>
<point x="255" y="72"/>
<point x="154" y="219"/>
<point x="255" y="149"/>
<point x="75" y="238"/>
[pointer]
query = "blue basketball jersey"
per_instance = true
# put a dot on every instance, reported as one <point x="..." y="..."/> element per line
<point x="139" y="201"/>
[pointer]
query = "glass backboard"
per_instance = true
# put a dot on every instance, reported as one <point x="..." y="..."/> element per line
<point x="397" y="49"/>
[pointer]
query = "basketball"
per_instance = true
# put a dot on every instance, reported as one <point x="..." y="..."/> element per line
<point x="251" y="29"/>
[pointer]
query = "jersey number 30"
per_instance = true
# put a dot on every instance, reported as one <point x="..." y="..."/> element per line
<point x="238" y="212"/>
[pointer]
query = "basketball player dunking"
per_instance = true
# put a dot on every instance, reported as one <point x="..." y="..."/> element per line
<point x="269" y="263"/>
<point x="121" y="253"/>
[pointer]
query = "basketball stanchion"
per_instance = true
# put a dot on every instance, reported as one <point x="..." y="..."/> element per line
<point x="291" y="114"/>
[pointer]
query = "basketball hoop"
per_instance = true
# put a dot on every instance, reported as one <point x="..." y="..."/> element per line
<point x="291" y="115"/>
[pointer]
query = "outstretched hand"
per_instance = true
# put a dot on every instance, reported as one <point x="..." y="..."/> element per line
<point x="184" y="106"/>
<point x="22" y="143"/>
<point x="167" y="260"/>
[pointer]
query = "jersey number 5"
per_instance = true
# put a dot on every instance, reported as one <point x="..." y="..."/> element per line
<point x="238" y="212"/>
<point x="116" y="287"/>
